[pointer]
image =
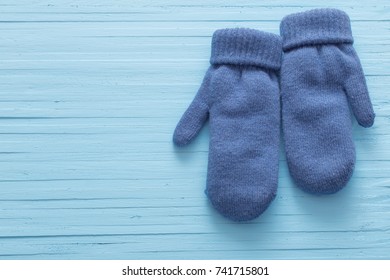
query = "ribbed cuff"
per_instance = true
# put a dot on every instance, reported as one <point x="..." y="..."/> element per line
<point x="243" y="46"/>
<point x="319" y="26"/>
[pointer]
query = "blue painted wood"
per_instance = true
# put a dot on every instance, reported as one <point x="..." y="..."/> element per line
<point x="90" y="93"/>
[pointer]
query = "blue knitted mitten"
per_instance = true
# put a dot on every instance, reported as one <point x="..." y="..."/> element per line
<point x="320" y="75"/>
<point x="240" y="96"/>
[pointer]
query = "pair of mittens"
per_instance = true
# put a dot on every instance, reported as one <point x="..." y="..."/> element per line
<point x="320" y="75"/>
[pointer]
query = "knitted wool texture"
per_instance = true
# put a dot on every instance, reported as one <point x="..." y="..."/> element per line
<point x="240" y="96"/>
<point x="320" y="75"/>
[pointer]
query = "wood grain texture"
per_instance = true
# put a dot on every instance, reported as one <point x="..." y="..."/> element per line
<point x="90" y="93"/>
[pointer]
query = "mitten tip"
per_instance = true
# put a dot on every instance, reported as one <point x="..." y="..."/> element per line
<point x="180" y="140"/>
<point x="368" y="121"/>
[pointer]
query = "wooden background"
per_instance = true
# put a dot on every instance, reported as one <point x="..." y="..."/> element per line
<point x="90" y="93"/>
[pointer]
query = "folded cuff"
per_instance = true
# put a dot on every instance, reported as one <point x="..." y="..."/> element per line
<point x="318" y="26"/>
<point x="244" y="46"/>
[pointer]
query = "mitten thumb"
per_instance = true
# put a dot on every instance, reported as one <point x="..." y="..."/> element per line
<point x="357" y="92"/>
<point x="195" y="116"/>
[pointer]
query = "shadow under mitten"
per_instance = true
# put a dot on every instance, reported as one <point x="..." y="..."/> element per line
<point x="240" y="95"/>
<point x="320" y="75"/>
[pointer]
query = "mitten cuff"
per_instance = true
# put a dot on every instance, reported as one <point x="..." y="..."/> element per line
<point x="319" y="26"/>
<point x="243" y="46"/>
